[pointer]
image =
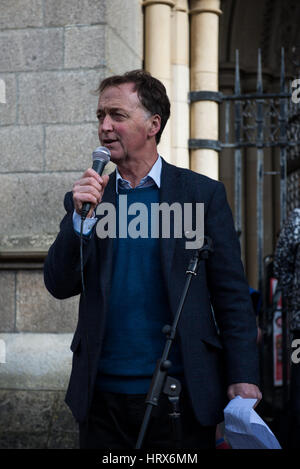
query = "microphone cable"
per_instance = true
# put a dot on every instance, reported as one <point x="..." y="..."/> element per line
<point x="86" y="322"/>
<point x="81" y="256"/>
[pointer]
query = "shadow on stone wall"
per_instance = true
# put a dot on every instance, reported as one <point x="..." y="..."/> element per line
<point x="36" y="420"/>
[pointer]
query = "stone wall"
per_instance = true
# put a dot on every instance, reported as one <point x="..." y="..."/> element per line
<point x="52" y="56"/>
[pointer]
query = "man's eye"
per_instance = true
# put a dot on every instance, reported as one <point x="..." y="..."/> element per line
<point x="118" y="115"/>
<point x="113" y="115"/>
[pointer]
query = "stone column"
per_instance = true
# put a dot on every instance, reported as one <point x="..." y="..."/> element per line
<point x="158" y="54"/>
<point x="181" y="81"/>
<point x="204" y="77"/>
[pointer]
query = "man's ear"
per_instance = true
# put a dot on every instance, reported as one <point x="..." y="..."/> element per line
<point x="155" y="123"/>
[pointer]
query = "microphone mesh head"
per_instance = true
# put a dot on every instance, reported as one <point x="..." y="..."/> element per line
<point x="102" y="154"/>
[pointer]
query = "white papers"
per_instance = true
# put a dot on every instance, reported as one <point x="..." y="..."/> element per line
<point x="244" y="429"/>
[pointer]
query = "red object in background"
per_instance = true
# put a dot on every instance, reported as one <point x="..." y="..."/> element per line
<point x="222" y="444"/>
<point x="273" y="285"/>
<point x="277" y="335"/>
<point x="277" y="348"/>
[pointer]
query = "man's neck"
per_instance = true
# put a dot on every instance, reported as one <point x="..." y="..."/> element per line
<point x="135" y="170"/>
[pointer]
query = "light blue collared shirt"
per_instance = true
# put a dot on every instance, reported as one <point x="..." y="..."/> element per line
<point x="153" y="177"/>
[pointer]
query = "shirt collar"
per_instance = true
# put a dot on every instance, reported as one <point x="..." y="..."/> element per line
<point x="154" y="174"/>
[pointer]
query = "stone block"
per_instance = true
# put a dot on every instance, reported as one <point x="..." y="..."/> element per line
<point x="7" y="295"/>
<point x="36" y="361"/>
<point x="84" y="46"/>
<point x="38" y="311"/>
<point x="34" y="203"/>
<point x="62" y="420"/>
<point x="8" y="110"/>
<point x="109" y="168"/>
<point x="180" y="157"/>
<point x="32" y="49"/>
<point x="21" y="148"/>
<point x="21" y="13"/>
<point x="180" y="124"/>
<point x="23" y="440"/>
<point x="36" y="420"/>
<point x="121" y="16"/>
<point x="58" y="97"/>
<point x="64" y="429"/>
<point x="181" y="80"/>
<point x="70" y="146"/>
<point x="119" y="57"/>
<point x="58" y="13"/>
<point x="23" y="411"/>
<point x="63" y="440"/>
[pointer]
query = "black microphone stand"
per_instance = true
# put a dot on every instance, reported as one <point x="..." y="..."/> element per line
<point x="160" y="381"/>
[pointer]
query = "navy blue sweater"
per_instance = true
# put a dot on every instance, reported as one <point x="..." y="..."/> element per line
<point x="138" y="309"/>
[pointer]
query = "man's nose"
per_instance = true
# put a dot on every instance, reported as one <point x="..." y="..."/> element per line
<point x="106" y="123"/>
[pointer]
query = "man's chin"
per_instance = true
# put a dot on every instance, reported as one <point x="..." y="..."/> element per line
<point x="116" y="157"/>
<point x="113" y="148"/>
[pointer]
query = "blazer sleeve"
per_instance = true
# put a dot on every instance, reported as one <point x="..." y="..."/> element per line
<point x="229" y="292"/>
<point x="62" y="273"/>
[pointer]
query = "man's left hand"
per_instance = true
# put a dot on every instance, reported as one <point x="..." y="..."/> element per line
<point x="246" y="390"/>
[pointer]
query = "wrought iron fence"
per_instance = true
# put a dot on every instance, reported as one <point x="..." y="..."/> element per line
<point x="261" y="121"/>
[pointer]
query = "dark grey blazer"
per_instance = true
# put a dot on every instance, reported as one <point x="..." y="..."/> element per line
<point x="212" y="359"/>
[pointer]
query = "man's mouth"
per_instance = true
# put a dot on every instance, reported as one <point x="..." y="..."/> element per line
<point x="109" y="141"/>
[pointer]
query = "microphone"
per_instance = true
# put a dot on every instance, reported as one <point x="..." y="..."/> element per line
<point x="101" y="157"/>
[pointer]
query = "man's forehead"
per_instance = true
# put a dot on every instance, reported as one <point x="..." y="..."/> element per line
<point x="121" y="94"/>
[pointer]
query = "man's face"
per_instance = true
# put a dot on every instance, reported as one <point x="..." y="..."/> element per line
<point x="124" y="124"/>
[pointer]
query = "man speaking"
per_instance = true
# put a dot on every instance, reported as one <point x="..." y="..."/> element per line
<point x="132" y="287"/>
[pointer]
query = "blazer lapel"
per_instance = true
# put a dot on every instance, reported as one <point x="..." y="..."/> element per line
<point x="106" y="245"/>
<point x="169" y="193"/>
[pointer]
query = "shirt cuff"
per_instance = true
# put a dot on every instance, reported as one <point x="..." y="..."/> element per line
<point x="87" y="224"/>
